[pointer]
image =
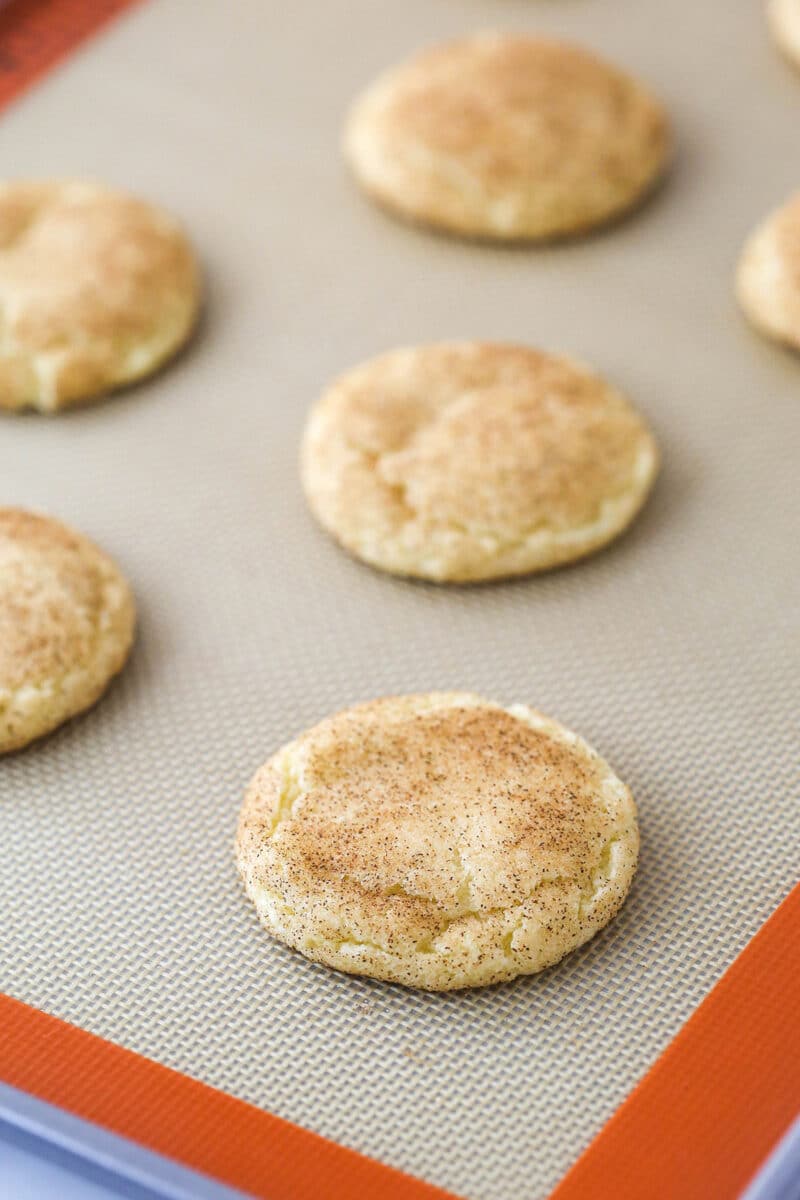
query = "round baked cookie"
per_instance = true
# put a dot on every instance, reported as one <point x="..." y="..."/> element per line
<point x="468" y="461"/>
<point x="66" y="625"/>
<point x="438" y="841"/>
<point x="97" y="289"/>
<point x="507" y="137"/>
<point x="784" y="20"/>
<point x="768" y="277"/>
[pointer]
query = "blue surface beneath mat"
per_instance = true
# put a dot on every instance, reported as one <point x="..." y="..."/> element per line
<point x="28" y="1176"/>
<point x="45" y="1152"/>
<point x="779" y="1178"/>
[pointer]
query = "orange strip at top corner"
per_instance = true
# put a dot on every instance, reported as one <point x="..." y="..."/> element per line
<point x="719" y="1098"/>
<point x="37" y="34"/>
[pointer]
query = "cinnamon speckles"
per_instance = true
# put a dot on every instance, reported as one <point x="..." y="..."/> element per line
<point x="438" y="841"/>
<point x="507" y="137"/>
<point x="97" y="289"/>
<point x="470" y="461"/>
<point x="66" y="625"/>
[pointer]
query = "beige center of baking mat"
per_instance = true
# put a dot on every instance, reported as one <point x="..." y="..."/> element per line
<point x="676" y="652"/>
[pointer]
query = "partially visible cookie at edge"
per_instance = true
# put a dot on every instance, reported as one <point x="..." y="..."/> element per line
<point x="784" y="21"/>
<point x="67" y="620"/>
<point x="768" y="275"/>
<point x="507" y="137"/>
<point x="439" y="841"/>
<point x="97" y="290"/>
<point x="467" y="461"/>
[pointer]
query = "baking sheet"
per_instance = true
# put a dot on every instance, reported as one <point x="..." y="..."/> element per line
<point x="674" y="652"/>
<point x="45" y="1152"/>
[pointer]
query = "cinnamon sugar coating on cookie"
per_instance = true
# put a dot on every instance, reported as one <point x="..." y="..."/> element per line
<point x="66" y="625"/>
<point x="440" y="841"/>
<point x="97" y="289"/>
<point x="467" y="461"/>
<point x="507" y="137"/>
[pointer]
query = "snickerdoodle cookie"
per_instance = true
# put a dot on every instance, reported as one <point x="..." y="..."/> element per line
<point x="97" y="289"/>
<point x="439" y="841"/>
<point x="507" y="137"/>
<point x="784" y="20"/>
<point x="66" y="625"/>
<point x="469" y="461"/>
<point x="768" y="276"/>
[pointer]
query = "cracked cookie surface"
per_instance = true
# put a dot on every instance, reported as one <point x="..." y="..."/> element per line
<point x="438" y="841"/>
<point x="507" y="137"/>
<point x="97" y="290"/>
<point x="66" y="625"/>
<point x="468" y="461"/>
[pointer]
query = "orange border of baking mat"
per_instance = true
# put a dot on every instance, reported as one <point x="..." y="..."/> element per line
<point x="709" y="1111"/>
<point x="188" y="1121"/>
<point x="697" y="1127"/>
<point x="36" y="34"/>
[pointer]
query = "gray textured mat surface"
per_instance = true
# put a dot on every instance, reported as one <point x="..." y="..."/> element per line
<point x="675" y="653"/>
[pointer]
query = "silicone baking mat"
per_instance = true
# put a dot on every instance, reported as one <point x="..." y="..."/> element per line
<point x="675" y="652"/>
